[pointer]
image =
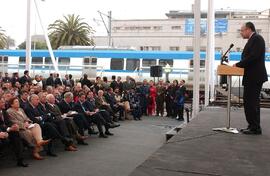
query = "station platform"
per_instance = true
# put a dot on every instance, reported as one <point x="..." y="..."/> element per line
<point x="198" y="151"/>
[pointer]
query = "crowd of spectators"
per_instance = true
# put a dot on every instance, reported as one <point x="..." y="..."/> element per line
<point x="34" y="112"/>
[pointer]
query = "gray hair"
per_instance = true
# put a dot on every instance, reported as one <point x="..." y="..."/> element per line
<point x="68" y="94"/>
<point x="49" y="96"/>
<point x="32" y="96"/>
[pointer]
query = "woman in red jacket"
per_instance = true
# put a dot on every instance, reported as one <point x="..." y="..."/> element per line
<point x="152" y="98"/>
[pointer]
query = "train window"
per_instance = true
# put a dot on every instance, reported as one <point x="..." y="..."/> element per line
<point x="64" y="60"/>
<point x="148" y="62"/>
<point x="202" y="63"/>
<point x="37" y="60"/>
<point x="21" y="60"/>
<point x="132" y="64"/>
<point x="48" y="60"/>
<point x="163" y="62"/>
<point x="90" y="61"/>
<point x="117" y="64"/>
<point x="4" y="59"/>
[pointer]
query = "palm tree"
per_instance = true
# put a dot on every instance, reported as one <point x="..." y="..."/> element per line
<point x="3" y="39"/>
<point x="70" y="31"/>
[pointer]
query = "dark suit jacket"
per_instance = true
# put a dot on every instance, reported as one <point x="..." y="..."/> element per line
<point x="6" y="79"/>
<point x="253" y="60"/>
<point x="4" y="124"/>
<point x="23" y="104"/>
<point x="33" y="112"/>
<point x="50" y="81"/>
<point x="58" y="81"/>
<point x="78" y="107"/>
<point x="86" y="82"/>
<point x="25" y="79"/>
<point x="55" y="111"/>
<point x="14" y="80"/>
<point x="65" y="107"/>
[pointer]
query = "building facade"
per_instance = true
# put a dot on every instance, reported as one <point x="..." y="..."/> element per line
<point x="176" y="32"/>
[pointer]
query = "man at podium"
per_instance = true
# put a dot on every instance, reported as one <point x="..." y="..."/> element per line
<point x="253" y="62"/>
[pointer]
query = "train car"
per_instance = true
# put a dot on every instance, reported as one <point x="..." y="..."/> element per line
<point x="102" y="61"/>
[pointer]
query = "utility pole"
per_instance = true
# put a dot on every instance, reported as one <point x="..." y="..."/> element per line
<point x="108" y="27"/>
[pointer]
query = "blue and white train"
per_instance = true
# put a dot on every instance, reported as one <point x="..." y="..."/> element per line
<point x="108" y="62"/>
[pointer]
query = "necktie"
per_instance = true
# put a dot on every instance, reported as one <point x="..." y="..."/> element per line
<point x="1" y="116"/>
<point x="83" y="108"/>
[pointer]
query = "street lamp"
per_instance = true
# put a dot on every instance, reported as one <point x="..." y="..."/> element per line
<point x="167" y="70"/>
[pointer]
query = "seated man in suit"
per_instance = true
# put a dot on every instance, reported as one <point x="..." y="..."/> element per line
<point x="23" y="99"/>
<point x="116" y="107"/>
<point x="49" y="129"/>
<point x="91" y="115"/>
<point x="59" y="122"/>
<point x="58" y="116"/>
<point x="91" y="103"/>
<point x="10" y="133"/>
<point x="67" y="108"/>
<point x="102" y="104"/>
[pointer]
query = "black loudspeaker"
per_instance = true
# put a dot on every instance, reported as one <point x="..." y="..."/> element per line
<point x="156" y="71"/>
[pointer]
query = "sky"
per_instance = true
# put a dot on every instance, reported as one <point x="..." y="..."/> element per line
<point x="13" y="12"/>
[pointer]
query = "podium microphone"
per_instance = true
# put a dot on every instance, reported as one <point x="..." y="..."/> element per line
<point x="224" y="57"/>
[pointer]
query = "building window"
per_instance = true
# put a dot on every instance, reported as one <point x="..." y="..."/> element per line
<point x="164" y="62"/>
<point x="117" y="64"/>
<point x="238" y="35"/>
<point x="238" y="49"/>
<point x="203" y="48"/>
<point x="157" y="27"/>
<point x="132" y="64"/>
<point x="176" y="27"/>
<point x="146" y="28"/>
<point x="174" y="48"/>
<point x="150" y="48"/>
<point x="218" y="48"/>
<point x="155" y="48"/>
<point x="148" y="62"/>
<point x="189" y="48"/>
<point x="116" y="28"/>
<point x="259" y="31"/>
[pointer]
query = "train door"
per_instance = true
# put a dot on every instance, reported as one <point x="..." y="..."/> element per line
<point x="202" y="71"/>
<point x="90" y="66"/>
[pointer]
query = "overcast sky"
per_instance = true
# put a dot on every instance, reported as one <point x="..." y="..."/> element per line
<point x="13" y="12"/>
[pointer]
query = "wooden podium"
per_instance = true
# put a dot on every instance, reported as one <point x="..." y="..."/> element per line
<point x="229" y="72"/>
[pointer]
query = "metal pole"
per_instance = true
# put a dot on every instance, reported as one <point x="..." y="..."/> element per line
<point x="229" y="102"/>
<point x="28" y="37"/>
<point x="196" y="57"/>
<point x="212" y="54"/>
<point x="55" y="64"/>
<point x="209" y="66"/>
<point x="110" y="28"/>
